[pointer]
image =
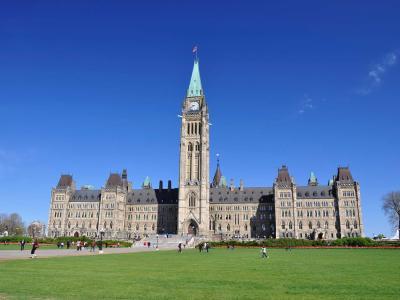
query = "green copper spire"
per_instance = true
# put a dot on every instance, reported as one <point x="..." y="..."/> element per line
<point x="312" y="180"/>
<point x="195" y="88"/>
<point x="147" y="182"/>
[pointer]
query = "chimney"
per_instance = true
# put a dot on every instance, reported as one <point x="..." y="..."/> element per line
<point x="241" y="185"/>
<point x="232" y="186"/>
<point x="169" y="185"/>
<point x="160" y="186"/>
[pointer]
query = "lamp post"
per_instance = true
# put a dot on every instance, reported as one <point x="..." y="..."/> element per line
<point x="101" y="241"/>
<point x="157" y="242"/>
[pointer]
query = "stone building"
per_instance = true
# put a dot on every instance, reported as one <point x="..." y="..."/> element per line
<point x="201" y="207"/>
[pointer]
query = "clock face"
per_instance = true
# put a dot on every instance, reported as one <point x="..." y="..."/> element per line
<point x="194" y="106"/>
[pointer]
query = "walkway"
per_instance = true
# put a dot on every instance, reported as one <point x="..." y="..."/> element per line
<point x="17" y="254"/>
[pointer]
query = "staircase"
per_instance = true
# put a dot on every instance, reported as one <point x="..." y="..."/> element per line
<point x="164" y="242"/>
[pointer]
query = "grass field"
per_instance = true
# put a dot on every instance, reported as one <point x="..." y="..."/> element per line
<point x="220" y="274"/>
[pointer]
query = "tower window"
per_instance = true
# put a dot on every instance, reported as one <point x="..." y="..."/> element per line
<point x="192" y="200"/>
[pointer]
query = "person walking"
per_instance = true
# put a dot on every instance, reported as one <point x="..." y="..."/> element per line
<point x="35" y="245"/>
<point x="93" y="248"/>
<point x="264" y="252"/>
<point x="180" y="247"/>
<point x="22" y="244"/>
<point x="68" y="244"/>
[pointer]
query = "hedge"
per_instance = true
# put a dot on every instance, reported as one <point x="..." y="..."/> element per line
<point x="284" y="243"/>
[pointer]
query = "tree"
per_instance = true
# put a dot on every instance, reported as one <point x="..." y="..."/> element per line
<point x="391" y="207"/>
<point x="12" y="223"/>
<point x="36" y="229"/>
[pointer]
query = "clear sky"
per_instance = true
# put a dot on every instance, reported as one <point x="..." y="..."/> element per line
<point x="92" y="87"/>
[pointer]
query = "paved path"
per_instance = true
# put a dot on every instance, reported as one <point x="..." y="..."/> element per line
<point x="17" y="254"/>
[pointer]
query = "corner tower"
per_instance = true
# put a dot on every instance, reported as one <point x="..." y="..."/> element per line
<point x="194" y="160"/>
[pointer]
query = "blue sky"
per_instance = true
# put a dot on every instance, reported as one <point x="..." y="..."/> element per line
<point x="88" y="88"/>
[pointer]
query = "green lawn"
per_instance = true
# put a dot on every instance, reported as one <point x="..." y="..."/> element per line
<point x="222" y="274"/>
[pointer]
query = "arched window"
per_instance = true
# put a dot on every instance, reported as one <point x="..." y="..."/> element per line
<point x="145" y="227"/>
<point x="347" y="224"/>
<point x="228" y="227"/>
<point x="300" y="225"/>
<point x="192" y="200"/>
<point x="105" y="225"/>
<point x="69" y="225"/>
<point x="318" y="224"/>
<point x="290" y="225"/>
<point x="190" y="147"/>
<point x="137" y="226"/>
<point x="245" y="227"/>
<point x="283" y="225"/>
<point x="152" y="227"/>
<point x="309" y="225"/>
<point x="326" y="225"/>
<point x="355" y="225"/>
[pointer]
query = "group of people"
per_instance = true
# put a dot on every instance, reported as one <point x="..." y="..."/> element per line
<point x="35" y="245"/>
<point x="205" y="247"/>
<point x="60" y="245"/>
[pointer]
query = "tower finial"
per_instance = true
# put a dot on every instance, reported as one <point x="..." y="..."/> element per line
<point x="194" y="51"/>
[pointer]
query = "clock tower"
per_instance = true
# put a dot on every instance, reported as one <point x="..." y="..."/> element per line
<point x="194" y="160"/>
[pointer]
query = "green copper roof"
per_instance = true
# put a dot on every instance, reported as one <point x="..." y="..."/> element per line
<point x="312" y="177"/>
<point x="223" y="181"/>
<point x="147" y="182"/>
<point x="195" y="88"/>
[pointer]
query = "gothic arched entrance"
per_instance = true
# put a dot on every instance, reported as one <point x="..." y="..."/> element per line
<point x="76" y="234"/>
<point x="193" y="228"/>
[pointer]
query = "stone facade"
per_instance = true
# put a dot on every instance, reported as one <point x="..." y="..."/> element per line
<point x="199" y="207"/>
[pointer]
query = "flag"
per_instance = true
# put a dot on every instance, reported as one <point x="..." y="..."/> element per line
<point x="194" y="49"/>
